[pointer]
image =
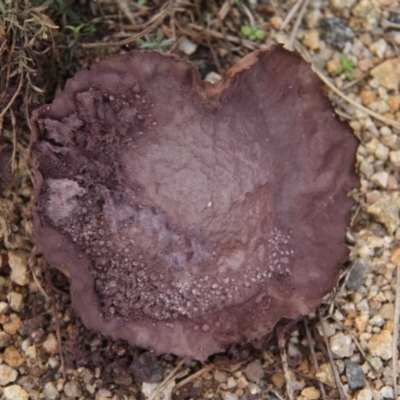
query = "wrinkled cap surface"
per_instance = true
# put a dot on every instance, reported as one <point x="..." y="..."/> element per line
<point x="192" y="215"/>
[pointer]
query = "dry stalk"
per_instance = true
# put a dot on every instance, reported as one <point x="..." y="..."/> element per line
<point x="291" y="14"/>
<point x="193" y="376"/>
<point x="156" y="21"/>
<point x="285" y="365"/>
<point x="170" y="377"/>
<point x="296" y="25"/>
<point x="313" y="356"/>
<point x="332" y="363"/>
<point x="396" y="333"/>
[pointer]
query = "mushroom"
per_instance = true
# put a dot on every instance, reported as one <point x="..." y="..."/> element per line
<point x="193" y="215"/>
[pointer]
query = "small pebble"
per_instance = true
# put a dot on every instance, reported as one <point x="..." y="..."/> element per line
<point x="12" y="357"/>
<point x="148" y="388"/>
<point x="242" y="382"/>
<point x="50" y="345"/>
<point x="3" y="307"/>
<point x="387" y="392"/>
<point x="380" y="345"/>
<point x="311" y="393"/>
<point x="254" y="371"/>
<point x="7" y="375"/>
<point x="15" y="392"/>
<point x="379" y="48"/>
<point x="325" y="374"/>
<point x="220" y="376"/>
<point x="103" y="393"/>
<point x="16" y="301"/>
<point x="254" y="389"/>
<point x="72" y="389"/>
<point x="50" y="391"/>
<point x="276" y="22"/>
<point x="365" y="394"/>
<point x="355" y="375"/>
<point x="387" y="311"/>
<point x="231" y="383"/>
<point x="336" y="31"/>
<point x="382" y="152"/>
<point x="229" y="396"/>
<point x="213" y="77"/>
<point x="53" y="362"/>
<point x="311" y="39"/>
<point x="357" y="276"/>
<point x="18" y="262"/>
<point x="380" y="179"/>
<point x="5" y="339"/>
<point x="394" y="157"/>
<point x="341" y="345"/>
<point x="186" y="46"/>
<point x="11" y="327"/>
<point x="388" y="73"/>
<point x="147" y="368"/>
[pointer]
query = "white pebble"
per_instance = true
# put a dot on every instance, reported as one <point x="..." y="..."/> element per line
<point x="7" y="375"/>
<point x="377" y="320"/>
<point x="50" y="391"/>
<point x="18" y="262"/>
<point x="379" y="48"/>
<point x="213" y="77"/>
<point x="382" y="152"/>
<point x="380" y="179"/>
<point x="15" y="392"/>
<point x="341" y="345"/>
<point x="186" y="46"/>
<point x="387" y="392"/>
<point x="380" y="345"/>
<point x="16" y="301"/>
<point x="365" y="394"/>
<point x="395" y="157"/>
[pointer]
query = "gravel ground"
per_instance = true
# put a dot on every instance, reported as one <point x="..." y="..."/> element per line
<point x="344" y="350"/>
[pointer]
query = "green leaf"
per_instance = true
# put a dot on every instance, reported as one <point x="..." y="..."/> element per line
<point x="246" y="30"/>
<point x="261" y="34"/>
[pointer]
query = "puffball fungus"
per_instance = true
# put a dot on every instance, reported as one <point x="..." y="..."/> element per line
<point x="193" y="215"/>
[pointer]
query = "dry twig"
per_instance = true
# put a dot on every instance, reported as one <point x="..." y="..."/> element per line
<point x="285" y="365"/>
<point x="166" y="10"/>
<point x="171" y="376"/>
<point x="313" y="356"/>
<point x="396" y="332"/>
<point x="296" y="25"/>
<point x="193" y="376"/>
<point x="291" y="14"/>
<point x="333" y="365"/>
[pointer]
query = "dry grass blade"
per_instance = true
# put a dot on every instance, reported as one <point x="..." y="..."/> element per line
<point x="169" y="378"/>
<point x="296" y="25"/>
<point x="396" y="332"/>
<point x="31" y="263"/>
<point x="10" y="103"/>
<point x="285" y="365"/>
<point x="233" y="39"/>
<point x="313" y="356"/>
<point x="193" y="376"/>
<point x="291" y="41"/>
<point x="123" y="5"/>
<point x="150" y="26"/>
<point x="360" y="107"/>
<point x="332" y="363"/>
<point x="325" y="79"/>
<point x="57" y="321"/>
<point x="291" y="14"/>
<point x="224" y="10"/>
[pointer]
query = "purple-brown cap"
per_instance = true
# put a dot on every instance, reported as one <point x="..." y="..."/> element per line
<point x="192" y="215"/>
